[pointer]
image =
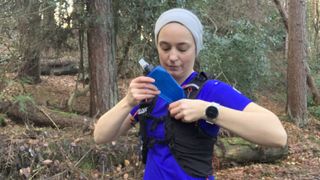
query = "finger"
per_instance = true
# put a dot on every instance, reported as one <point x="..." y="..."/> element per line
<point x="143" y="82"/>
<point x="174" y="111"/>
<point x="179" y="116"/>
<point x="141" y="97"/>
<point x="148" y="92"/>
<point x="145" y="86"/>
<point x="144" y="93"/>
<point x="174" y="105"/>
<point x="143" y="79"/>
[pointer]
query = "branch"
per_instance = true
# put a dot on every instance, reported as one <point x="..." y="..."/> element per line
<point x="46" y="114"/>
<point x="283" y="13"/>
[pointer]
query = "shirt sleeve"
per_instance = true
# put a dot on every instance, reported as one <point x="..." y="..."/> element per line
<point x="224" y="94"/>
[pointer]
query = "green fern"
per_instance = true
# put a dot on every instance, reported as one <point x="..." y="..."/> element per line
<point x="22" y="101"/>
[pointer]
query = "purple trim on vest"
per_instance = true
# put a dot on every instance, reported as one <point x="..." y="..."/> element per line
<point x="160" y="162"/>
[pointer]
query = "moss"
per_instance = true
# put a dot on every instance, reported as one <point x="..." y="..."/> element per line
<point x="65" y="114"/>
<point x="235" y="140"/>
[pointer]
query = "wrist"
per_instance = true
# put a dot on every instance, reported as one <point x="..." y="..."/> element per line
<point x="212" y="112"/>
<point x="127" y="102"/>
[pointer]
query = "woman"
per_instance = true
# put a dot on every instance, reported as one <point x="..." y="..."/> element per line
<point x="178" y="137"/>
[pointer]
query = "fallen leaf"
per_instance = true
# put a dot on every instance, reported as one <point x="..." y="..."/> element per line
<point x="47" y="162"/>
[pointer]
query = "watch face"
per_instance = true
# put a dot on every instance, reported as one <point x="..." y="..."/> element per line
<point x="212" y="112"/>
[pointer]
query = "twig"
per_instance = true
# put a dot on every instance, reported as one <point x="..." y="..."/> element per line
<point x="10" y="155"/>
<point x="48" y="117"/>
<point x="103" y="171"/>
<point x="60" y="173"/>
<point x="213" y="23"/>
<point x="37" y="171"/>
<point x="78" y="162"/>
<point x="69" y="162"/>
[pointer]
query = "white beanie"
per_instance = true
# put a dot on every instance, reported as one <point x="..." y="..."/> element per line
<point x="184" y="17"/>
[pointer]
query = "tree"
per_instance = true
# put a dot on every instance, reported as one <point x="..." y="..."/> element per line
<point x="101" y="52"/>
<point x="29" y="44"/>
<point x="310" y="81"/>
<point x="49" y="26"/>
<point x="79" y="16"/>
<point x="297" y="76"/>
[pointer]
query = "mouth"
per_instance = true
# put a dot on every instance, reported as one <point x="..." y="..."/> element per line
<point x="173" y="68"/>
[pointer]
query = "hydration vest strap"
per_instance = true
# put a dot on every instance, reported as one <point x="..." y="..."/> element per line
<point x="191" y="89"/>
<point x="143" y="131"/>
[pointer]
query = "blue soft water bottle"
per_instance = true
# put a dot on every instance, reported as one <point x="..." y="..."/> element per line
<point x="170" y="90"/>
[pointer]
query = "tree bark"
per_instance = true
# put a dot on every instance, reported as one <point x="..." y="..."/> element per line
<point x="101" y="50"/>
<point x="235" y="150"/>
<point x="49" y="28"/>
<point x="42" y="116"/>
<point x="316" y="25"/>
<point x="297" y="77"/>
<point x="79" y="22"/>
<point x="29" y="43"/>
<point x="310" y="81"/>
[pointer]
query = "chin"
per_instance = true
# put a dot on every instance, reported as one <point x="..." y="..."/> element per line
<point x="175" y="76"/>
<point x="173" y="73"/>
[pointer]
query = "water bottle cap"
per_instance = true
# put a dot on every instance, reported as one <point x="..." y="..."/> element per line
<point x="143" y="63"/>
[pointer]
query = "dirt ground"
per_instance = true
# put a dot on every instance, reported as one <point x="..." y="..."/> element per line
<point x="31" y="152"/>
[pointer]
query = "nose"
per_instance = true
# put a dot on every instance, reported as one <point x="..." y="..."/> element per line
<point x="173" y="55"/>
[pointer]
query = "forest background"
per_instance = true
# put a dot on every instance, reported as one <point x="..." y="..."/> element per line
<point x="65" y="62"/>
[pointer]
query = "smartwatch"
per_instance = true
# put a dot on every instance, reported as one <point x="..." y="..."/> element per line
<point x="212" y="112"/>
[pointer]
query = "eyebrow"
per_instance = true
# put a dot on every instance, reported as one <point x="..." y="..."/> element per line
<point x="178" y="44"/>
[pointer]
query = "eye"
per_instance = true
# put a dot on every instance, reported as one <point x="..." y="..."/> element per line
<point x="165" y="46"/>
<point x="183" y="47"/>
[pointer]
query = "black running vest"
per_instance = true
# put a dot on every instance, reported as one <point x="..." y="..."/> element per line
<point x="189" y="144"/>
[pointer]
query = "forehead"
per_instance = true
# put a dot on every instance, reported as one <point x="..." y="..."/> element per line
<point x="174" y="30"/>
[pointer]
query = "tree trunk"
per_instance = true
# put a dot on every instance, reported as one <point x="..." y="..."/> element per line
<point x="314" y="90"/>
<point x="235" y="150"/>
<point x="316" y="26"/>
<point x="297" y="78"/>
<point x="59" y="67"/>
<point x="41" y="116"/>
<point x="29" y="43"/>
<point x="79" y="22"/>
<point x="49" y="28"/>
<point x="310" y="81"/>
<point x="101" y="44"/>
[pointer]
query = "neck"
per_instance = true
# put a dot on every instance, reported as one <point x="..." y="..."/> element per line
<point x="182" y="79"/>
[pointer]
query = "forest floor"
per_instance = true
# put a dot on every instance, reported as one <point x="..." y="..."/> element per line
<point x="31" y="152"/>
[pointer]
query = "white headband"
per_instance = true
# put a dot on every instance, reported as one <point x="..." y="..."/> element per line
<point x="184" y="17"/>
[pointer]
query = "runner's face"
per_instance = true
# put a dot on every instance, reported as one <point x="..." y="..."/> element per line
<point x="177" y="50"/>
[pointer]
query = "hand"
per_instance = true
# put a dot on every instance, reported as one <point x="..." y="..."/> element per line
<point x="188" y="110"/>
<point x="141" y="88"/>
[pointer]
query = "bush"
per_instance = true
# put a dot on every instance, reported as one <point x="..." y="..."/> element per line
<point x="315" y="111"/>
<point x="239" y="57"/>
